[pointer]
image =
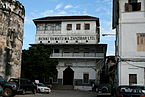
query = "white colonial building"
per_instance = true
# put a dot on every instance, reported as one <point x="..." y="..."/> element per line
<point x="129" y="22"/>
<point x="75" y="44"/>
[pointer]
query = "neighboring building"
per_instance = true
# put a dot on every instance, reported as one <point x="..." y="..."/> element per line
<point x="110" y="68"/>
<point x="75" y="44"/>
<point x="11" y="37"/>
<point x="129" y="22"/>
<point x="108" y="72"/>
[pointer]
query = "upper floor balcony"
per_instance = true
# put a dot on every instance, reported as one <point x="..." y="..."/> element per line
<point x="78" y="55"/>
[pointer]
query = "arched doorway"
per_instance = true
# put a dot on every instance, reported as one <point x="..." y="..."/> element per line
<point x="68" y="76"/>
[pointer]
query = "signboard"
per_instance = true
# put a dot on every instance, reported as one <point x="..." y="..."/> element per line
<point x="67" y="38"/>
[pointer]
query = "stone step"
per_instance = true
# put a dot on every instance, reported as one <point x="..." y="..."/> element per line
<point x="63" y="87"/>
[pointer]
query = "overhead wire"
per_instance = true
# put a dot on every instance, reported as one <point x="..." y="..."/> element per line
<point x="122" y="60"/>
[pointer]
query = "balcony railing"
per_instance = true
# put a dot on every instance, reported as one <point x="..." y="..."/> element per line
<point x="78" y="55"/>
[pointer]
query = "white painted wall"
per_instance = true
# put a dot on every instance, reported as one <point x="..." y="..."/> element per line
<point x="130" y="23"/>
<point x="79" y="68"/>
<point x="129" y="40"/>
<point x="78" y="72"/>
<point x="92" y="30"/>
<point x="127" y="68"/>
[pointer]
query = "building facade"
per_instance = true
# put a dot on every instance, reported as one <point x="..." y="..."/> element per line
<point x="129" y="22"/>
<point x="11" y="37"/>
<point x="75" y="44"/>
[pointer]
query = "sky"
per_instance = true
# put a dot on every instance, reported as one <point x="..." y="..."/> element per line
<point x="43" y="8"/>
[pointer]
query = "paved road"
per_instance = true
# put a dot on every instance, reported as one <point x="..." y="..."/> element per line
<point x="62" y="93"/>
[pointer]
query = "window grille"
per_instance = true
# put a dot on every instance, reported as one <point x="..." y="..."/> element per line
<point x="132" y="79"/>
<point x="69" y="26"/>
<point x="78" y="26"/>
<point x="87" y="26"/>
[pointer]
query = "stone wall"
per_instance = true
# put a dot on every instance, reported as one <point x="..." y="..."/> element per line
<point x="12" y="14"/>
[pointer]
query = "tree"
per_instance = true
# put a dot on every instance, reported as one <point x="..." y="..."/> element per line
<point x="37" y="64"/>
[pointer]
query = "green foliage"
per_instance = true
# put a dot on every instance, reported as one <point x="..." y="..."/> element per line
<point x="37" y="64"/>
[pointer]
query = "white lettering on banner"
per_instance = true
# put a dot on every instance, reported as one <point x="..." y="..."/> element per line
<point x="68" y="38"/>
